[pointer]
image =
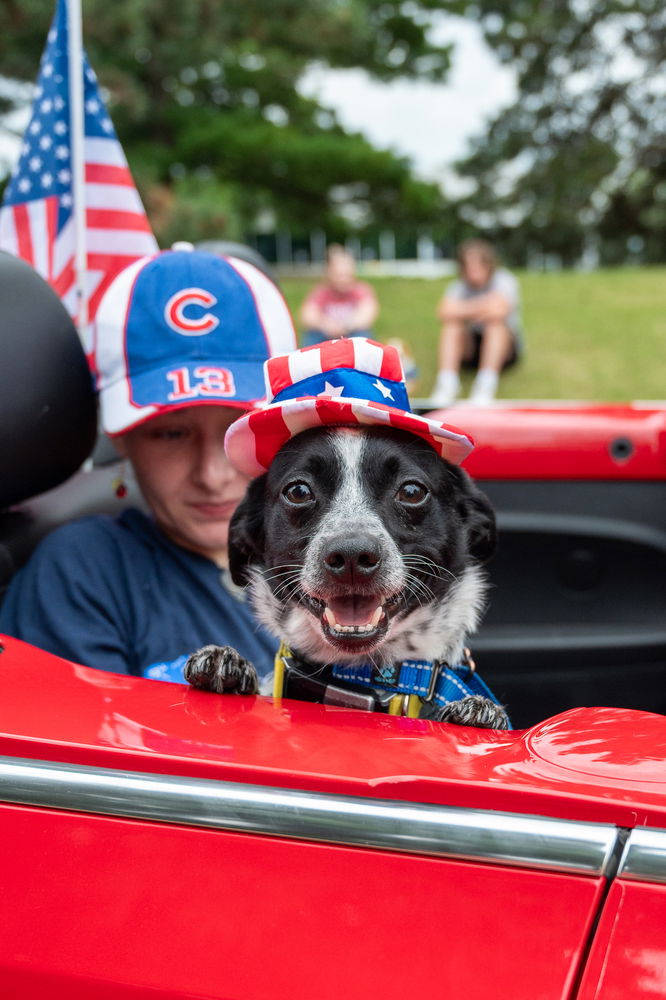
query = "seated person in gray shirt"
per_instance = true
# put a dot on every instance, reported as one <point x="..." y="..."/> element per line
<point x="481" y="328"/>
<point x="179" y="346"/>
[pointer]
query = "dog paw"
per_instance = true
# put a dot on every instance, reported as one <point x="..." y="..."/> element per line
<point x="474" y="711"/>
<point x="221" y="669"/>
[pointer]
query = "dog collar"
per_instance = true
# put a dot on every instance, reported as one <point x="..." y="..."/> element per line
<point x="408" y="688"/>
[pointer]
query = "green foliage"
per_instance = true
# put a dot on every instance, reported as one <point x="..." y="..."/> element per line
<point x="597" y="336"/>
<point x="581" y="151"/>
<point x="205" y="89"/>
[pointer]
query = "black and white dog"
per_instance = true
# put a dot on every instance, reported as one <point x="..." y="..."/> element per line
<point x="360" y="545"/>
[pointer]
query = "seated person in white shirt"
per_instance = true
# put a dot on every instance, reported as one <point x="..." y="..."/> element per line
<point x="480" y="325"/>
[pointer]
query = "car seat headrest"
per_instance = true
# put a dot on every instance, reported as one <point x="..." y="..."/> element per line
<point x="48" y="412"/>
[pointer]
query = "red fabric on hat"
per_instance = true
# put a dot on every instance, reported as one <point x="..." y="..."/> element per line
<point x="334" y="412"/>
<point x="269" y="436"/>
<point x="337" y="354"/>
<point x="391" y="365"/>
<point x="277" y="370"/>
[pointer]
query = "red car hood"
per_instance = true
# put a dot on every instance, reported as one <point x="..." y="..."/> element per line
<point x="591" y="764"/>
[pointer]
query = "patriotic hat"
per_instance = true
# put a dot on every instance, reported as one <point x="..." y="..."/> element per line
<point x="185" y="327"/>
<point x="354" y="382"/>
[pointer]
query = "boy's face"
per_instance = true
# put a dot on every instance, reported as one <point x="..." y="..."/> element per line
<point x="475" y="269"/>
<point x="185" y="477"/>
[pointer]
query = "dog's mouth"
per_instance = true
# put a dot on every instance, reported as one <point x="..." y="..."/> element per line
<point x="353" y="621"/>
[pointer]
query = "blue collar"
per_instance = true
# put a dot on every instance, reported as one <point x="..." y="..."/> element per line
<point x="431" y="681"/>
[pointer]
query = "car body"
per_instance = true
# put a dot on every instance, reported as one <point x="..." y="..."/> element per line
<point x="162" y="842"/>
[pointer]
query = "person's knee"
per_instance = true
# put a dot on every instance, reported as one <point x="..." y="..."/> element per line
<point x="497" y="345"/>
<point x="453" y="330"/>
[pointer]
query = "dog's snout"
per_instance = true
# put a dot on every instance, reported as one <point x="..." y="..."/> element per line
<point x="352" y="557"/>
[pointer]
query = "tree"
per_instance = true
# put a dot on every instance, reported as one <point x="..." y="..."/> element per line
<point x="579" y="157"/>
<point x="204" y="97"/>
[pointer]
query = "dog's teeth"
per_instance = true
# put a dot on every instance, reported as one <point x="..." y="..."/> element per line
<point x="357" y="629"/>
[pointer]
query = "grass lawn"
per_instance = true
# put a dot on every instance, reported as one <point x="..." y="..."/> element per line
<point x="595" y="336"/>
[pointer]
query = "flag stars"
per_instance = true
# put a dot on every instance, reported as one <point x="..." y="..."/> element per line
<point x="92" y="106"/>
<point x="66" y="200"/>
<point x="48" y="70"/>
<point x="35" y="163"/>
<point x="384" y="389"/>
<point x="59" y="104"/>
<point x="62" y="152"/>
<point x="107" y="125"/>
<point x="47" y="180"/>
<point x="60" y="128"/>
<point x="331" y="390"/>
<point x="35" y="127"/>
<point x="24" y="185"/>
<point x="46" y="105"/>
<point x="45" y="142"/>
<point x="64" y="176"/>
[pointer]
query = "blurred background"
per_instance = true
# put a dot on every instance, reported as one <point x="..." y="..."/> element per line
<point x="399" y="128"/>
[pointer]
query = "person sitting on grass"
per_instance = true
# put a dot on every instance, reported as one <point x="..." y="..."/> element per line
<point x="480" y="325"/>
<point x="341" y="306"/>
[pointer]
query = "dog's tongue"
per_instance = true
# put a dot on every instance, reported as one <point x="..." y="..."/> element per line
<point x="354" y="609"/>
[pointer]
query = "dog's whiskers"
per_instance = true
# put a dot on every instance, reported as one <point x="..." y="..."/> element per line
<point x="419" y="590"/>
<point x="425" y="565"/>
<point x="289" y="576"/>
<point x="288" y="588"/>
<point x="284" y="569"/>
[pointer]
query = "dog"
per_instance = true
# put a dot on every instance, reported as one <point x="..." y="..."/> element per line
<point x="360" y="544"/>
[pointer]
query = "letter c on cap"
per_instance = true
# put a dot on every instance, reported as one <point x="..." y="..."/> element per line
<point x="190" y="326"/>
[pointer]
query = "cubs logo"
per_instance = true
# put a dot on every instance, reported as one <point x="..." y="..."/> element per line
<point x="191" y="323"/>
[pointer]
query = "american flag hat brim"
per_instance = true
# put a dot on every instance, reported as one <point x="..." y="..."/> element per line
<point x="344" y="382"/>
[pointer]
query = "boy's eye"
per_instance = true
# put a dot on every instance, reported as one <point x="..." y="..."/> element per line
<point x="169" y="433"/>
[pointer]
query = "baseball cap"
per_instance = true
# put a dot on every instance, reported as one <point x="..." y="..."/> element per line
<point x="180" y="328"/>
<point x="347" y="382"/>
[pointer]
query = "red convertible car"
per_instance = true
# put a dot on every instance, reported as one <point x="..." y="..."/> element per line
<point x="161" y="842"/>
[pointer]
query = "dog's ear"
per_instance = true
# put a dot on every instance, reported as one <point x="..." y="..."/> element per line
<point x="477" y="514"/>
<point x="246" y="531"/>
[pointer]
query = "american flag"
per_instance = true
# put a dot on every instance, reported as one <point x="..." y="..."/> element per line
<point x="36" y="218"/>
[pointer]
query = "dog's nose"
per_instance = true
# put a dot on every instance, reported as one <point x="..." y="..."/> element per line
<point x="352" y="557"/>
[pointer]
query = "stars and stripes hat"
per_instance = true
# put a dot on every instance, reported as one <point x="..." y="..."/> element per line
<point x="353" y="382"/>
<point x="185" y="327"/>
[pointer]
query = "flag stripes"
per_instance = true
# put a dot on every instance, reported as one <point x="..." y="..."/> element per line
<point x="36" y="218"/>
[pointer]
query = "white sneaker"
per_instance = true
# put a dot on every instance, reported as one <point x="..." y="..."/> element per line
<point x="446" y="389"/>
<point x="484" y="388"/>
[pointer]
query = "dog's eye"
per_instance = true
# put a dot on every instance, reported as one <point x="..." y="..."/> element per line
<point x="412" y="493"/>
<point x="298" y="493"/>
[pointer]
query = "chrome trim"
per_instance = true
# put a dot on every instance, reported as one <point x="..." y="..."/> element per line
<point x="439" y="831"/>
<point x="644" y="857"/>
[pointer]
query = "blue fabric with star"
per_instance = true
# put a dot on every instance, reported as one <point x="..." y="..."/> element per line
<point x="352" y="384"/>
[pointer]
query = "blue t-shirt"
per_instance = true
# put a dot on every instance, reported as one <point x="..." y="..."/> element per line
<point x="117" y="594"/>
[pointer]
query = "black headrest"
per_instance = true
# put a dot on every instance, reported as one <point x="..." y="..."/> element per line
<point x="47" y="402"/>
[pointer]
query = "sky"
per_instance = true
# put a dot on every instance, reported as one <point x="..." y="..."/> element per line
<point x="430" y="123"/>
